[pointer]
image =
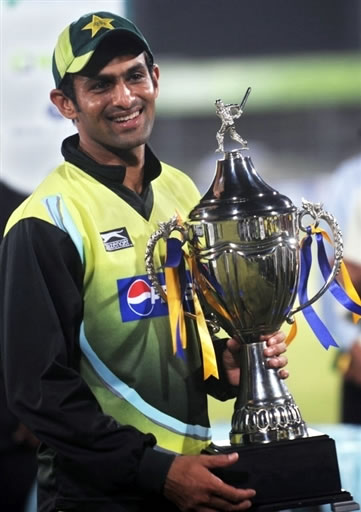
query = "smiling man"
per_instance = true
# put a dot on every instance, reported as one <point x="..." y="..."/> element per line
<point x="86" y="342"/>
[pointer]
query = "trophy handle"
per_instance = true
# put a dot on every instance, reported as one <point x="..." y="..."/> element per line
<point x="164" y="231"/>
<point x="316" y="211"/>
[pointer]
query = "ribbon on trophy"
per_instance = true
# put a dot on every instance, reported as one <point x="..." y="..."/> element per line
<point x="175" y="278"/>
<point x="347" y="296"/>
<point x="176" y="283"/>
<point x="292" y="333"/>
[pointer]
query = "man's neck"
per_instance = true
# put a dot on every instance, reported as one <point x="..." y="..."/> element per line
<point x="133" y="161"/>
<point x="134" y="178"/>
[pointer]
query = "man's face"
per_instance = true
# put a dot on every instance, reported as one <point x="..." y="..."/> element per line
<point x="116" y="108"/>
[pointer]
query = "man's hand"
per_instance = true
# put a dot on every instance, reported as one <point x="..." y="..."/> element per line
<point x="275" y="347"/>
<point x="192" y="486"/>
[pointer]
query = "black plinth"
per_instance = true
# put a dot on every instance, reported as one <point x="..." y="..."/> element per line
<point x="286" y="474"/>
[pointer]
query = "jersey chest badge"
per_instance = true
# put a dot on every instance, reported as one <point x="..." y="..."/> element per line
<point x="116" y="239"/>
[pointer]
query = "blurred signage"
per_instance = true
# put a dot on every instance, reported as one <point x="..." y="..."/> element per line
<point x="31" y="127"/>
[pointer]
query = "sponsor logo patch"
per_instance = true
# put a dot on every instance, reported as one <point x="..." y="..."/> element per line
<point x="116" y="239"/>
<point x="138" y="299"/>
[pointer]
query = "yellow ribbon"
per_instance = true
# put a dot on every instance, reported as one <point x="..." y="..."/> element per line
<point x="208" y="354"/>
<point x="175" y="307"/>
<point x="177" y="319"/>
<point x="209" y="358"/>
<point x="292" y="333"/>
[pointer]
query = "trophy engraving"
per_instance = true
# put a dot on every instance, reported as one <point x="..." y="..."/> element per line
<point x="244" y="239"/>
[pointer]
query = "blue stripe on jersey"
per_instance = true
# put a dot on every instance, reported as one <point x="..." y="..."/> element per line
<point x="120" y="388"/>
<point x="63" y="220"/>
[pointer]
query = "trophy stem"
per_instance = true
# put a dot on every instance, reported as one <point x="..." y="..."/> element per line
<point x="265" y="410"/>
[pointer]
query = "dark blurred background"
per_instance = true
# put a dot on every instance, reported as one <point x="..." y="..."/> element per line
<point x="301" y="58"/>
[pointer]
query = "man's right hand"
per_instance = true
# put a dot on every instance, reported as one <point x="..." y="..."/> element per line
<point x="192" y="486"/>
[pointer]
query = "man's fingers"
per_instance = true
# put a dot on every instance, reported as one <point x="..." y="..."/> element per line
<point x="243" y="503"/>
<point x="217" y="461"/>
<point x="272" y="339"/>
<point x="284" y="374"/>
<point x="277" y="362"/>
<point x="275" y="350"/>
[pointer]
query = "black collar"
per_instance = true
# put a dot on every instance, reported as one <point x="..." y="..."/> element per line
<point x="107" y="173"/>
<point x="112" y="176"/>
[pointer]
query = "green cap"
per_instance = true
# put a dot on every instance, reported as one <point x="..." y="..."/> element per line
<point x="78" y="41"/>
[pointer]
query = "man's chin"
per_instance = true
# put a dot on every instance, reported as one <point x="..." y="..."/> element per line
<point x="122" y="145"/>
<point x="124" y="150"/>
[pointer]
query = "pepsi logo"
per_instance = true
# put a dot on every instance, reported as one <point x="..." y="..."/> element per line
<point x="138" y="299"/>
<point x="141" y="298"/>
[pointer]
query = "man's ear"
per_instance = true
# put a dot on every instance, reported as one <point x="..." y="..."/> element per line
<point x="155" y="78"/>
<point x="65" y="105"/>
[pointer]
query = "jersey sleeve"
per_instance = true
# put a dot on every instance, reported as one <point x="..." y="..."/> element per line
<point x="40" y="316"/>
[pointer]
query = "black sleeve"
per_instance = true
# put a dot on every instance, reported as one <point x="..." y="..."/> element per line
<point x="40" y="314"/>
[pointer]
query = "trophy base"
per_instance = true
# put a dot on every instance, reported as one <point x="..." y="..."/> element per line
<point x="287" y="474"/>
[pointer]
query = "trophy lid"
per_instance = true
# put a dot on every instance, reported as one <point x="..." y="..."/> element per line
<point x="238" y="191"/>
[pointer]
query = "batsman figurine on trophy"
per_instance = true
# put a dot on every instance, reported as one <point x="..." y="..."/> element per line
<point x="228" y="113"/>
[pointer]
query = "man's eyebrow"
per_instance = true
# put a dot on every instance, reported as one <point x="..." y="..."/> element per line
<point x="133" y="69"/>
<point x="140" y="66"/>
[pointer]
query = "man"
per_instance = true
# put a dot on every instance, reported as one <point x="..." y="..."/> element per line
<point x="86" y="349"/>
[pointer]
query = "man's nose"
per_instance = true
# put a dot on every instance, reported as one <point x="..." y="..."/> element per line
<point x="122" y="95"/>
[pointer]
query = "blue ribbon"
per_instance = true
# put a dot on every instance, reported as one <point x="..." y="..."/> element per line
<point x="309" y="313"/>
<point x="175" y="259"/>
<point x="334" y="287"/>
<point x="174" y="252"/>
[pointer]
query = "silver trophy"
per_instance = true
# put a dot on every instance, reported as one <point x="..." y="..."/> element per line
<point x="245" y="238"/>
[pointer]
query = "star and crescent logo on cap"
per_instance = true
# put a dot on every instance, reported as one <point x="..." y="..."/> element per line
<point x="97" y="23"/>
